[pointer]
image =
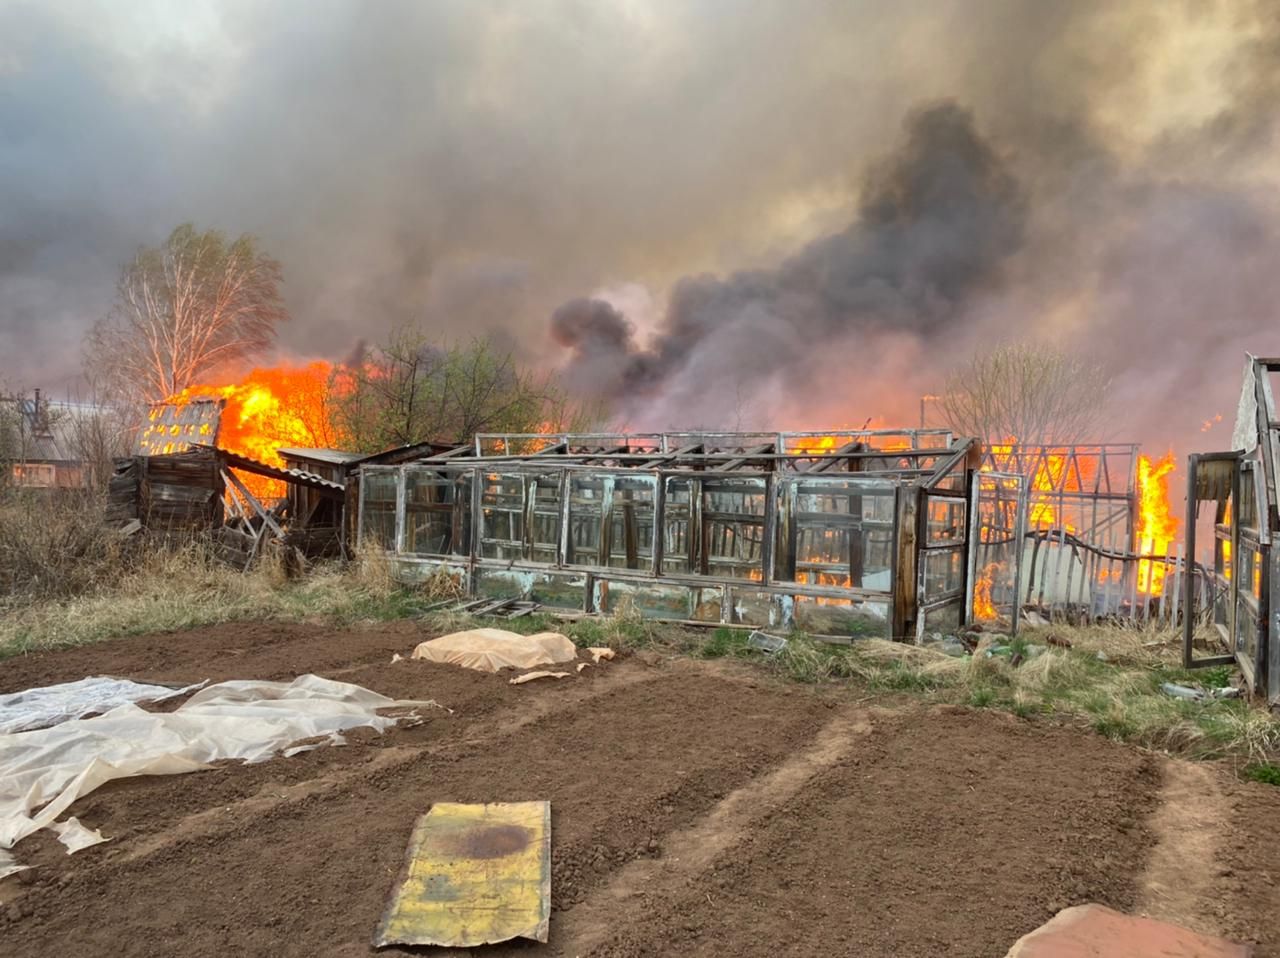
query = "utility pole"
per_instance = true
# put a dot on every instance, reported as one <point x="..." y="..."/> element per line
<point x="924" y="399"/>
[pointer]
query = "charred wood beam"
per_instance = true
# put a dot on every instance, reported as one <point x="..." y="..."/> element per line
<point x="836" y="457"/>
<point x="672" y="456"/>
<point x="751" y="454"/>
<point x="254" y="503"/>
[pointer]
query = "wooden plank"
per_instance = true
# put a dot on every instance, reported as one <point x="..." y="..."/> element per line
<point x="1057" y="565"/>
<point x="905" y="572"/>
<point x="255" y="504"/>
<point x="1164" y="588"/>
<point x="1071" y="568"/>
<point x="1133" y="592"/>
<point x="1177" y="585"/>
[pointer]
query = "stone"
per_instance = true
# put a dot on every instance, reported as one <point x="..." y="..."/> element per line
<point x="1095" y="931"/>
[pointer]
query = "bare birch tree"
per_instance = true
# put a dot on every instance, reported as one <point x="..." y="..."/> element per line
<point x="1028" y="393"/>
<point x="185" y="308"/>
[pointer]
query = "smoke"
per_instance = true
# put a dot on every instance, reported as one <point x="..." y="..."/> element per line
<point x="936" y="221"/>
<point x="1074" y="203"/>
<point x="832" y="201"/>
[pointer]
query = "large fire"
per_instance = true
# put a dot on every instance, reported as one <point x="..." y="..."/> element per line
<point x="270" y="409"/>
<point x="1051" y="473"/>
<point x="1157" y="526"/>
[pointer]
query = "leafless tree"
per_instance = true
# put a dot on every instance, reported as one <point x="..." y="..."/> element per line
<point x="12" y="435"/>
<point x="409" y="390"/>
<point x="195" y="303"/>
<point x="99" y="433"/>
<point x="1029" y="393"/>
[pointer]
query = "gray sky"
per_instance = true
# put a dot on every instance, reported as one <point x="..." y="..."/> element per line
<point x="474" y="165"/>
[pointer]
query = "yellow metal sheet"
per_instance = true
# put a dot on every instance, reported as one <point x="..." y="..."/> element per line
<point x="474" y="875"/>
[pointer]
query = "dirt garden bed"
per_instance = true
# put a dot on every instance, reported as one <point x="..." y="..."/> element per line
<point x="698" y="808"/>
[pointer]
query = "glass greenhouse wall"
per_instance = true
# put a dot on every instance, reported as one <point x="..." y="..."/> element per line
<point x="861" y="534"/>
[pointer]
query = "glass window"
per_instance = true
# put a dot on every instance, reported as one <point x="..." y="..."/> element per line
<point x="675" y="527"/>
<point x="835" y="532"/>
<point x="437" y="512"/>
<point x="942" y="571"/>
<point x="944" y="520"/>
<point x="586" y="505"/>
<point x="631" y="522"/>
<point x="544" y="534"/>
<point x="378" y="509"/>
<point x="733" y="528"/>
<point x="502" y="515"/>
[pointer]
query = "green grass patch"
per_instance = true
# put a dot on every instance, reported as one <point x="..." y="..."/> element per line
<point x="724" y="642"/>
<point x="1264" y="772"/>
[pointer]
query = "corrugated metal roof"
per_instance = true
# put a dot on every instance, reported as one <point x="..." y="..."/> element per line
<point x="298" y="476"/>
<point x="173" y="427"/>
<point x="334" y="457"/>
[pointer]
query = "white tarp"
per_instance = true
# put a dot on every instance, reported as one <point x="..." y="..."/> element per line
<point x="43" y="771"/>
<point x="489" y="650"/>
<point x="51" y="704"/>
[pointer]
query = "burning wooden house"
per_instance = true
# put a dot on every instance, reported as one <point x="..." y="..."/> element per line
<point x="180" y="480"/>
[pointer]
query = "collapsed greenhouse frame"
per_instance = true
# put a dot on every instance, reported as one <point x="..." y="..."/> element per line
<point x="1081" y="558"/>
<point x="854" y="533"/>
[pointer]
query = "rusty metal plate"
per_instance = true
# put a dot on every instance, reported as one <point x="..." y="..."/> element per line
<point x="473" y="875"/>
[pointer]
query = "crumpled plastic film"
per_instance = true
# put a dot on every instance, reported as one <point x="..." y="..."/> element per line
<point x="51" y="704"/>
<point x="76" y="836"/>
<point x="43" y="771"/>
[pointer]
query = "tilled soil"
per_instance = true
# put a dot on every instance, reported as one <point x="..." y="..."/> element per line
<point x="697" y="808"/>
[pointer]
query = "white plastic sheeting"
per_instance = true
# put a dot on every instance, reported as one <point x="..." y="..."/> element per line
<point x="42" y="772"/>
<point x="51" y="704"/>
<point x="489" y="650"/>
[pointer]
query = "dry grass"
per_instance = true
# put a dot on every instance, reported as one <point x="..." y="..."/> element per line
<point x="1118" y="694"/>
<point x="116" y="589"/>
<point x="64" y="581"/>
<point x="1148" y="646"/>
<point x="53" y="543"/>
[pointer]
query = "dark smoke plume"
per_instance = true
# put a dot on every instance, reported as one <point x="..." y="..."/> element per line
<point x="937" y="220"/>
<point x="471" y="165"/>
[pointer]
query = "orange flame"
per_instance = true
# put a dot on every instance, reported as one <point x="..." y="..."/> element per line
<point x="1051" y="474"/>
<point x="983" y="608"/>
<point x="270" y="409"/>
<point x="824" y="578"/>
<point x="1157" y="526"/>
